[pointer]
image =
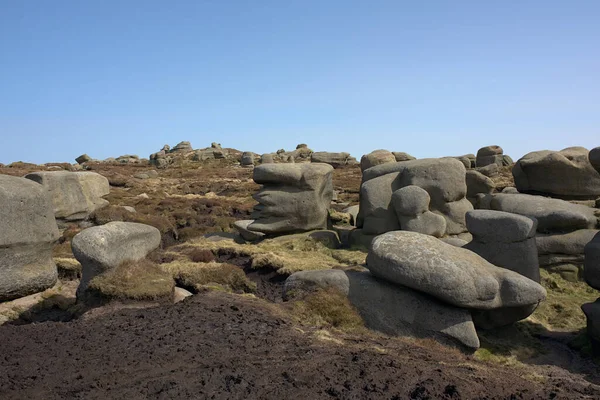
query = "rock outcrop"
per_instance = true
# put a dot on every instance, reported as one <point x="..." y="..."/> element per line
<point x="75" y="195"/>
<point x="294" y="197"/>
<point x="391" y="309"/>
<point x="336" y="160"/>
<point x="489" y="155"/>
<point x="451" y="274"/>
<point x="566" y="174"/>
<point x="443" y="179"/>
<point x="505" y="240"/>
<point x="27" y="237"/>
<point x="376" y="157"/>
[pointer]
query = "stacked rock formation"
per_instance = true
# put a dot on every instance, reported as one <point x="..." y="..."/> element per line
<point x="293" y="198"/>
<point x="563" y="228"/>
<point x="443" y="179"/>
<point x="508" y="241"/>
<point x="592" y="277"/>
<point x="27" y="238"/>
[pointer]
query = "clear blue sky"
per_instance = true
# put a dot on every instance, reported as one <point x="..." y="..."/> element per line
<point x="431" y="78"/>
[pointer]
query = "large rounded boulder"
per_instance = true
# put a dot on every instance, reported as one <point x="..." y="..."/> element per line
<point x="454" y="275"/>
<point x="567" y="173"/>
<point x="28" y="234"/>
<point x="75" y="195"/>
<point x="102" y="248"/>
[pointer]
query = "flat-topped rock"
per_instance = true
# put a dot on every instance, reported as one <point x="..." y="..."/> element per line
<point x="551" y="214"/>
<point x="500" y="226"/>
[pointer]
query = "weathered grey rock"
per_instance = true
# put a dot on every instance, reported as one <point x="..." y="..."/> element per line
<point x="478" y="183"/>
<point x="498" y="226"/>
<point x="565" y="243"/>
<point x="303" y="282"/>
<point x="83" y="159"/>
<point x="553" y="215"/>
<point x="215" y="145"/>
<point x="142" y="176"/>
<point x="376" y="157"/>
<point x="505" y="240"/>
<point x="489" y="170"/>
<point x="402" y="156"/>
<point x="454" y="275"/>
<point x="400" y="311"/>
<point x="569" y="272"/>
<point x="411" y="204"/>
<point x="128" y="159"/>
<point x="507" y="160"/>
<point x="465" y="161"/>
<point x="75" y="195"/>
<point x="336" y="160"/>
<point x="247" y="159"/>
<point x="267" y="159"/>
<point x="510" y="190"/>
<point x="294" y="198"/>
<point x="555" y="259"/>
<point x="594" y="158"/>
<point x="489" y="155"/>
<point x="391" y="309"/>
<point x="592" y="313"/>
<point x="472" y="158"/>
<point x="444" y="180"/>
<point x="454" y="241"/>
<point x="182" y="147"/>
<point x="567" y="173"/>
<point x="105" y="247"/>
<point x="27" y="237"/>
<point x="508" y="241"/>
<point x="242" y="227"/>
<point x="591" y="270"/>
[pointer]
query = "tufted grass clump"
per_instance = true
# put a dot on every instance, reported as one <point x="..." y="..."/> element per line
<point x="134" y="280"/>
<point x="327" y="307"/>
<point x="199" y="276"/>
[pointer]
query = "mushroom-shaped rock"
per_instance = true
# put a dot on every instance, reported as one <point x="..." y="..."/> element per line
<point x="451" y="274"/>
<point x="105" y="247"/>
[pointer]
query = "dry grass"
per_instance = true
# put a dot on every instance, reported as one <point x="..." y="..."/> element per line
<point x="135" y="280"/>
<point x="324" y="308"/>
<point x="285" y="255"/>
<point x="68" y="268"/>
<point x="201" y="275"/>
<point x="562" y="309"/>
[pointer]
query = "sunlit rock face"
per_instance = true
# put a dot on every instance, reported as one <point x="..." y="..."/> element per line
<point x="294" y="197"/>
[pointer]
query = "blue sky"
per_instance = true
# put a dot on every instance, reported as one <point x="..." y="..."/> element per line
<point x="431" y="78"/>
